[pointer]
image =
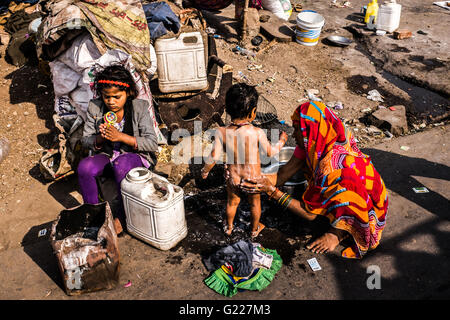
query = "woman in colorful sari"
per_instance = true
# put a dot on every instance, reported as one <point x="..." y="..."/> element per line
<point x="343" y="184"/>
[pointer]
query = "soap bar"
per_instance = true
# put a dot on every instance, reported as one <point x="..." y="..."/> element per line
<point x="401" y="34"/>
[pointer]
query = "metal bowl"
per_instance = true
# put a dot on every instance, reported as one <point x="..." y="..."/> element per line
<point x="339" y="40"/>
<point x="296" y="179"/>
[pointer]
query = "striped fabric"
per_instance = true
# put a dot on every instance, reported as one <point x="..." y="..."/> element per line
<point x="343" y="183"/>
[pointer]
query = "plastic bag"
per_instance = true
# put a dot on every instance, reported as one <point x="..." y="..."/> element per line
<point x="280" y="8"/>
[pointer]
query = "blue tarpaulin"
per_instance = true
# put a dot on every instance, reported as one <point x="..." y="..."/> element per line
<point x="160" y="18"/>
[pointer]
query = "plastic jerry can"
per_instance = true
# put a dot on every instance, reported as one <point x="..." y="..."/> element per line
<point x="181" y="63"/>
<point x="389" y="16"/>
<point x="154" y="208"/>
<point x="372" y="11"/>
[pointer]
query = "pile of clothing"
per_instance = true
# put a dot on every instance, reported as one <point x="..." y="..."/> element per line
<point x="244" y="265"/>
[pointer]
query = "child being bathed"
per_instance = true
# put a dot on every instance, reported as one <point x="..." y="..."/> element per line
<point x="241" y="142"/>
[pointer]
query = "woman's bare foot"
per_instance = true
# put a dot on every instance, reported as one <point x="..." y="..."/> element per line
<point x="327" y="242"/>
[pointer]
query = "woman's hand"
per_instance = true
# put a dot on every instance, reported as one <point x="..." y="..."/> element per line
<point x="284" y="137"/>
<point x="257" y="185"/>
<point x="204" y="173"/>
<point x="110" y="133"/>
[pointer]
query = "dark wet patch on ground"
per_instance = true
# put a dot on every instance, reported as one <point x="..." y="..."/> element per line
<point x="397" y="48"/>
<point x="205" y="216"/>
<point x="428" y="64"/>
<point x="362" y="85"/>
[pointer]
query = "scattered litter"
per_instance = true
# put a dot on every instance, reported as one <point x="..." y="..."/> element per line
<point x="366" y="110"/>
<point x="272" y="78"/>
<point x="420" y="190"/>
<point x="282" y="121"/>
<point x="405" y="148"/>
<point x="388" y="134"/>
<point x="422" y="32"/>
<point x="297" y="7"/>
<point x="392" y="108"/>
<point x="244" y="51"/>
<point x="41" y="86"/>
<point x="343" y="4"/>
<point x="443" y="4"/>
<point x="335" y="105"/>
<point x="252" y="67"/>
<point x="374" y="95"/>
<point x="314" y="264"/>
<point x="210" y="30"/>
<point x="243" y="76"/>
<point x="128" y="284"/>
<point x="381" y="107"/>
<point x="312" y="94"/>
<point x="42" y="232"/>
<point x="380" y="32"/>
<point x="338" y="106"/>
<point x="49" y="292"/>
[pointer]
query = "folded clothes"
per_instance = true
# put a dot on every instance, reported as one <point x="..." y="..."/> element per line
<point x="238" y="256"/>
<point x="226" y="283"/>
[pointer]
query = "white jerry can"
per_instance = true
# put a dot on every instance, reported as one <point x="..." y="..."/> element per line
<point x="154" y="208"/>
<point x="181" y="63"/>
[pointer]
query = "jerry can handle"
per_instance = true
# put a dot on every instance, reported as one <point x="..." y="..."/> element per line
<point x="168" y="185"/>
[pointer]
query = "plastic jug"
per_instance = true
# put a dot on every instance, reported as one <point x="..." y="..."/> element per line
<point x="389" y="16"/>
<point x="154" y="208"/>
<point x="372" y="11"/>
<point x="181" y="63"/>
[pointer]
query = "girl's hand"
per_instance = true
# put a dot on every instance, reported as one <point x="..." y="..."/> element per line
<point x="256" y="185"/>
<point x="110" y="133"/>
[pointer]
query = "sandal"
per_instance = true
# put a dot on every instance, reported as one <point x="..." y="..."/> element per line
<point x="256" y="233"/>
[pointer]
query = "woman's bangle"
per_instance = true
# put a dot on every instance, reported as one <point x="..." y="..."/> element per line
<point x="286" y="204"/>
<point x="271" y="195"/>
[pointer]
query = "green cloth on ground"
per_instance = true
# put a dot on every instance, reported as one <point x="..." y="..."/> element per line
<point x="222" y="283"/>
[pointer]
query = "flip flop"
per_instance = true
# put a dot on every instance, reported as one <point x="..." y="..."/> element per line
<point x="256" y="233"/>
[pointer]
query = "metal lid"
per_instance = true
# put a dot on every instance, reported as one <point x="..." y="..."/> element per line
<point x="139" y="174"/>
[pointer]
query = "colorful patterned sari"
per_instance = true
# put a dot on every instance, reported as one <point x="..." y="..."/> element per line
<point x="343" y="184"/>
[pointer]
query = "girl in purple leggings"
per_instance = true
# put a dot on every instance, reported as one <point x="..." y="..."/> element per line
<point x="119" y="131"/>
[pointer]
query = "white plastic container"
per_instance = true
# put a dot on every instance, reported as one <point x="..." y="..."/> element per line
<point x="154" y="208"/>
<point x="309" y="26"/>
<point x="389" y="16"/>
<point x="181" y="63"/>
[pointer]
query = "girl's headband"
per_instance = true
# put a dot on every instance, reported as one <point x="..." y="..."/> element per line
<point x="123" y="84"/>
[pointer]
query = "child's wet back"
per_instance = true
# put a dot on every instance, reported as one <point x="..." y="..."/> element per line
<point x="242" y="144"/>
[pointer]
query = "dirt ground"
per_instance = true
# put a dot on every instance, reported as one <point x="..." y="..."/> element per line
<point x="414" y="252"/>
